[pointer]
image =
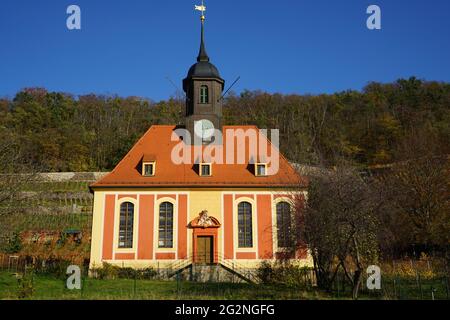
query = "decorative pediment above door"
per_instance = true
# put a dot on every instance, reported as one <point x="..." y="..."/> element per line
<point x="204" y="221"/>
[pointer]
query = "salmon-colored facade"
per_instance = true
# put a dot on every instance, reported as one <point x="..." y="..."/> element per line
<point x="149" y="220"/>
<point x="188" y="195"/>
<point x="222" y="206"/>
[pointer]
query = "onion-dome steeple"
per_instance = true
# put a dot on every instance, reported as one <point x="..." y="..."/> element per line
<point x="203" y="68"/>
<point x="204" y="87"/>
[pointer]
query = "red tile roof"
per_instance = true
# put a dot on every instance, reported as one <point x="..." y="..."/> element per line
<point x="156" y="144"/>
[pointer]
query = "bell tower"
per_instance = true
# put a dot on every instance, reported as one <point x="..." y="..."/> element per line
<point x="203" y="87"/>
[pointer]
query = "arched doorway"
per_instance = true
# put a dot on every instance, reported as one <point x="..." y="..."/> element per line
<point x="205" y="239"/>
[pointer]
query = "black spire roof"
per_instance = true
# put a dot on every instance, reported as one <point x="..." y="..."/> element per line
<point x="202" y="55"/>
<point x="203" y="68"/>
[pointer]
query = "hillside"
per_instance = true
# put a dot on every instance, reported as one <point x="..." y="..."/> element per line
<point x="59" y="132"/>
<point x="53" y="218"/>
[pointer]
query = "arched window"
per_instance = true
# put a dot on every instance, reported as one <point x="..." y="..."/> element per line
<point x="126" y="225"/>
<point x="245" y="227"/>
<point x="204" y="95"/>
<point x="284" y="224"/>
<point x="166" y="225"/>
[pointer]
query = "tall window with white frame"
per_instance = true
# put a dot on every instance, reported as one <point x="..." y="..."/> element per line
<point x="245" y="225"/>
<point x="166" y="225"/>
<point x="284" y="225"/>
<point x="204" y="94"/>
<point x="126" y="225"/>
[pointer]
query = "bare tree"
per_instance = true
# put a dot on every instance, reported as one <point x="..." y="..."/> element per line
<point x="339" y="224"/>
<point x="15" y="174"/>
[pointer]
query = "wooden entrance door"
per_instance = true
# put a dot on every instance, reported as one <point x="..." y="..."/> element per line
<point x="205" y="250"/>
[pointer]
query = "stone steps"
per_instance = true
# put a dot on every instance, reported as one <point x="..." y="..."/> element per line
<point x="209" y="273"/>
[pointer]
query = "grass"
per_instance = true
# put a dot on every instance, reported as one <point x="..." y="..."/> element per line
<point x="413" y="288"/>
<point x="396" y="287"/>
<point x="51" y="288"/>
<point x="48" y="287"/>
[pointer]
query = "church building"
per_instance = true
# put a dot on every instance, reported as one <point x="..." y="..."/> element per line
<point x="198" y="194"/>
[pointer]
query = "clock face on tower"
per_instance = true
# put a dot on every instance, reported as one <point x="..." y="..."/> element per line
<point x="204" y="129"/>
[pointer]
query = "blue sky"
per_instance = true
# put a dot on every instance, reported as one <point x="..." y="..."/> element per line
<point x="129" y="47"/>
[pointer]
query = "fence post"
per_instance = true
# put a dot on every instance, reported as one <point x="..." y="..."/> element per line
<point x="420" y="286"/>
<point x="417" y="281"/>
<point x="134" y="285"/>
<point x="447" y="287"/>
<point x="32" y="279"/>
<point x="337" y="285"/>
<point x="362" y="286"/>
<point x="82" y="286"/>
<point x="218" y="288"/>
<point x="446" y="276"/>
<point x="178" y="285"/>
<point x="395" y="288"/>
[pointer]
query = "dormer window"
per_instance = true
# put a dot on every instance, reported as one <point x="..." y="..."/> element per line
<point x="204" y="95"/>
<point x="205" y="170"/>
<point x="148" y="169"/>
<point x="261" y="169"/>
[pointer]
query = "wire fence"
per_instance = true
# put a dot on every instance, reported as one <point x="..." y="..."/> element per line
<point x="53" y="286"/>
<point x="47" y="279"/>
<point x="399" y="287"/>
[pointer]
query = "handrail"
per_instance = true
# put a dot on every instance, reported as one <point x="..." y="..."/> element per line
<point x="181" y="264"/>
<point x="239" y="269"/>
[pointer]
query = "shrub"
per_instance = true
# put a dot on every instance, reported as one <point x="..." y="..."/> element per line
<point x="109" y="271"/>
<point x="426" y="267"/>
<point x="126" y="273"/>
<point x="147" y="274"/>
<point x="265" y="273"/>
<point x="13" y="243"/>
<point x="25" y="284"/>
<point x="284" y="273"/>
<point x="56" y="267"/>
